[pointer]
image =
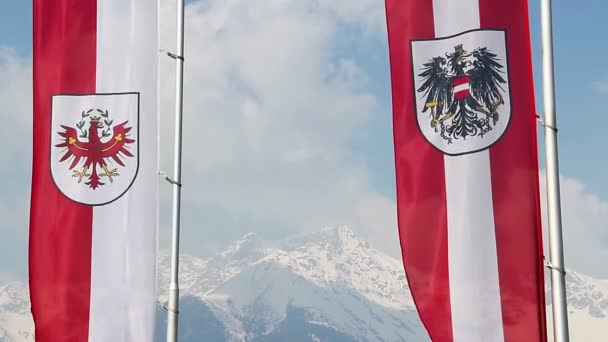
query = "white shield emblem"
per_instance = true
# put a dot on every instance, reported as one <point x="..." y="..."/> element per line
<point x="463" y="102"/>
<point x="94" y="145"/>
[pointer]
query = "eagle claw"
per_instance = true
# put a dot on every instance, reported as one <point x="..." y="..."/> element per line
<point x="81" y="174"/>
<point x="109" y="173"/>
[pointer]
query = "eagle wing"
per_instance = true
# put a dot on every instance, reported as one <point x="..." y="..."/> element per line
<point x="75" y="147"/>
<point x="485" y="77"/>
<point x="437" y="84"/>
<point x="117" y="144"/>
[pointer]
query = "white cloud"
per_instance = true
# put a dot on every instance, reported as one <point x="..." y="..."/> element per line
<point x="15" y="111"/>
<point x="15" y="161"/>
<point x="14" y="210"/>
<point x="584" y="226"/>
<point x="271" y="111"/>
<point x="15" y="132"/>
<point x="367" y="15"/>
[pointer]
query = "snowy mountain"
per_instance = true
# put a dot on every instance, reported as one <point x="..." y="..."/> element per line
<point x="587" y="307"/>
<point x="329" y="279"/>
<point x="15" y="318"/>
<point x="324" y="286"/>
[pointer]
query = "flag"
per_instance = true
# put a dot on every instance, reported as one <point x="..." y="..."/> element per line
<point x="467" y="167"/>
<point x="93" y="216"/>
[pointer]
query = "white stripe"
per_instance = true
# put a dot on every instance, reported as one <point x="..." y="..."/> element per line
<point x="461" y="87"/>
<point x="123" y="266"/>
<point x="472" y="263"/>
<point x="472" y="257"/>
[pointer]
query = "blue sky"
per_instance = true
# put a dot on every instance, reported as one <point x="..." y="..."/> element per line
<point x="579" y="69"/>
<point x="353" y="153"/>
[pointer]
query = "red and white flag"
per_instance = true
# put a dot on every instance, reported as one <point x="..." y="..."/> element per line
<point x="467" y="167"/>
<point x="93" y="219"/>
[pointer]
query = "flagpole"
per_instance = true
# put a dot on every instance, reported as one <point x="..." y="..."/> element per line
<point x="556" y="264"/>
<point x="173" y="305"/>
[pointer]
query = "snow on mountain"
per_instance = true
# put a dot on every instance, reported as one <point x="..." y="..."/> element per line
<point x="337" y="256"/>
<point x="216" y="270"/>
<point x="587" y="307"/>
<point x="328" y="273"/>
<point x="15" y="317"/>
<point x="588" y="295"/>
<point x="324" y="286"/>
<point x="340" y="280"/>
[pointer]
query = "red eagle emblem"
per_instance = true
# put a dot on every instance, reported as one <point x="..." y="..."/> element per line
<point x="95" y="152"/>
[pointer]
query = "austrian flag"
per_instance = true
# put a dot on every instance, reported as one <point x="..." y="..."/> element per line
<point x="467" y="167"/>
<point x="93" y="218"/>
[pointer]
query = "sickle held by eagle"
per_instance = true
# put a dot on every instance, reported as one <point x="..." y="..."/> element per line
<point x="435" y="120"/>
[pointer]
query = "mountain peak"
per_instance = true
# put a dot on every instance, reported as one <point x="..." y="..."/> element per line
<point x="345" y="236"/>
<point x="330" y="280"/>
<point x="335" y="239"/>
<point x="246" y="243"/>
<point x="584" y="294"/>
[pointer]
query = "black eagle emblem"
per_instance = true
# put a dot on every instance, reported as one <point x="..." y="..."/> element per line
<point x="463" y="92"/>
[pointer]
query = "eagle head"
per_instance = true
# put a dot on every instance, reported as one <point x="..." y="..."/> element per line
<point x="96" y="121"/>
<point x="460" y="52"/>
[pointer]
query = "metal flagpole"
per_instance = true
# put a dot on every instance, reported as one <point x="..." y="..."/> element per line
<point x="173" y="305"/>
<point x="556" y="264"/>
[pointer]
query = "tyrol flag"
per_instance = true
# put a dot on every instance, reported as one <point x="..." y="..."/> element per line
<point x="93" y="220"/>
<point x="467" y="167"/>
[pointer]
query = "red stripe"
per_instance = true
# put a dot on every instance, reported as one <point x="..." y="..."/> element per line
<point x="461" y="80"/>
<point x="421" y="198"/>
<point x="514" y="165"/>
<point x="462" y="94"/>
<point x="60" y="230"/>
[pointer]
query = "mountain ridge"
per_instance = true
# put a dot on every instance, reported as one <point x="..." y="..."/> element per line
<point x="323" y="286"/>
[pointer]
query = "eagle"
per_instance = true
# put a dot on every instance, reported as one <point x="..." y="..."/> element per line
<point x="95" y="152"/>
<point x="465" y="87"/>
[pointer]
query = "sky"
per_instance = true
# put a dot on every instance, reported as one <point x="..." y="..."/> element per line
<point x="288" y="124"/>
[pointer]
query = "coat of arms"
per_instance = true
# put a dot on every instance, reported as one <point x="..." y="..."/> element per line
<point x="462" y="90"/>
<point x="94" y="158"/>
